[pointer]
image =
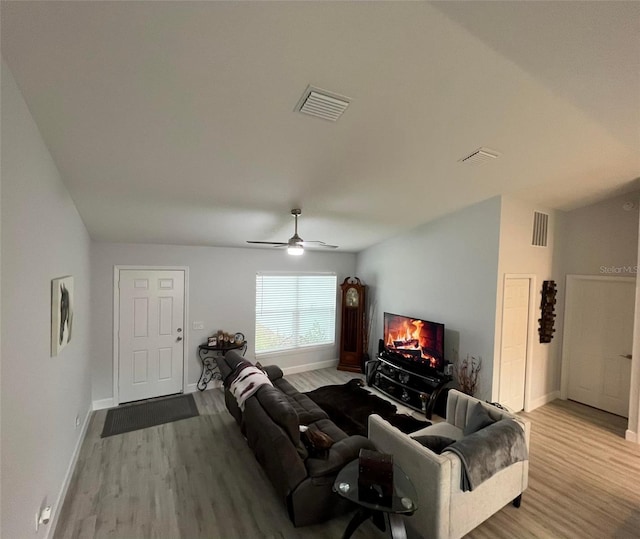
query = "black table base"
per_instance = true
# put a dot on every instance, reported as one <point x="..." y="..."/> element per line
<point x="208" y="355"/>
<point x="382" y="520"/>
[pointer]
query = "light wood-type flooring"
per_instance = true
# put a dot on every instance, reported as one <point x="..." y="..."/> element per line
<point x="197" y="478"/>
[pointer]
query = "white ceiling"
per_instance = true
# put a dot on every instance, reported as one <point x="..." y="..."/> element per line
<point x="174" y="122"/>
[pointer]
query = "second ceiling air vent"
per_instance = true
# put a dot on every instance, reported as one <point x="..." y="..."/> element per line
<point x="480" y="155"/>
<point x="322" y="104"/>
<point x="540" y="229"/>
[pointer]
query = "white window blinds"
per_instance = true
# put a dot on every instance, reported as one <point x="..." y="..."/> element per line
<point x="295" y="311"/>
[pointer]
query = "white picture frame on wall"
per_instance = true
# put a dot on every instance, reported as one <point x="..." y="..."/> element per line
<point x="61" y="313"/>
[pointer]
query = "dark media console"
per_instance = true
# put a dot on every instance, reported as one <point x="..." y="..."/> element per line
<point x="417" y="391"/>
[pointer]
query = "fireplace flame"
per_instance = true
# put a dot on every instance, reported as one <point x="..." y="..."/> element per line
<point x="408" y="335"/>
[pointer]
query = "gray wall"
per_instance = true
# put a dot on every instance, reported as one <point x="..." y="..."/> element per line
<point x="222" y="284"/>
<point x="444" y="271"/>
<point x="43" y="238"/>
<point x="601" y="239"/>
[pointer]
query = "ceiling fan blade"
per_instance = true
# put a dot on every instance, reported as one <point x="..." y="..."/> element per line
<point x="274" y="243"/>
<point x="320" y="244"/>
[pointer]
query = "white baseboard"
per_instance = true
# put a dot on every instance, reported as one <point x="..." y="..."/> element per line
<point x="541" y="401"/>
<point x="102" y="404"/>
<point x="311" y="366"/>
<point x="67" y="478"/>
<point x="192" y="388"/>
<point x="631" y="436"/>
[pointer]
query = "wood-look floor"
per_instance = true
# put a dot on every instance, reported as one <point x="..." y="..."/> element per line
<point x="197" y="478"/>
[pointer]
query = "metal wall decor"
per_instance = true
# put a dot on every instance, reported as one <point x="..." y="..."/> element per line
<point x="547" y="306"/>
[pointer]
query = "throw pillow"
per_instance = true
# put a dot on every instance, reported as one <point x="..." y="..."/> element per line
<point x="317" y="442"/>
<point x="434" y="443"/>
<point x="478" y="420"/>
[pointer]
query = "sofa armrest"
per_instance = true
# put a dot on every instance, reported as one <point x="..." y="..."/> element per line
<point x="273" y="372"/>
<point x="341" y="453"/>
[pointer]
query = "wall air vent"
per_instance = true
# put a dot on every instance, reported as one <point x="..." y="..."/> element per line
<point x="322" y="104"/>
<point x="540" y="228"/>
<point x="479" y="156"/>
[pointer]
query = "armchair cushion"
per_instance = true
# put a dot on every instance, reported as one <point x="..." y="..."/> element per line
<point x="435" y="443"/>
<point x="478" y="420"/>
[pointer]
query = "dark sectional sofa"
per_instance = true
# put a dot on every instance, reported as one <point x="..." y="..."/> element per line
<point x="271" y="424"/>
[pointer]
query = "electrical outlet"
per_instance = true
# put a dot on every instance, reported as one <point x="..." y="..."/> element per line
<point x="198" y="325"/>
<point x="77" y="421"/>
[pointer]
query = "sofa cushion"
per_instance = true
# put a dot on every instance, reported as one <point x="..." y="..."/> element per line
<point x="434" y="443"/>
<point x="478" y="419"/>
<point x="280" y="411"/>
<point x="307" y="410"/>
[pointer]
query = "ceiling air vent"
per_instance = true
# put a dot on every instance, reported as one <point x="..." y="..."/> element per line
<point x="480" y="155"/>
<point x="540" y="226"/>
<point x="322" y="104"/>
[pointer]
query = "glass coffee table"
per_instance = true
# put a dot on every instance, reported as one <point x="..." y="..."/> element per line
<point x="386" y="514"/>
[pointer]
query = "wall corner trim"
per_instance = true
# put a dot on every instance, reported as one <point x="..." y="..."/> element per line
<point x="631" y="436"/>
<point x="102" y="404"/>
<point x="545" y="399"/>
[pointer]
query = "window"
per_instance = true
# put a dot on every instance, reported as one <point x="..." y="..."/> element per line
<point x="295" y="311"/>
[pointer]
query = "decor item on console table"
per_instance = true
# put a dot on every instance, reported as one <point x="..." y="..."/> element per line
<point x="466" y="373"/>
<point x="208" y="354"/>
<point x="352" y="330"/>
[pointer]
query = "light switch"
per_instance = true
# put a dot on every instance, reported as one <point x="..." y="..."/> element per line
<point x="198" y="325"/>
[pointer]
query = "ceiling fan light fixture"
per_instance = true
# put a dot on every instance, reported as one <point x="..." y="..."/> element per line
<point x="296" y="249"/>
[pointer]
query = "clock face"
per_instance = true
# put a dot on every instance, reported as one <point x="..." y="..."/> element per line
<point x="352" y="297"/>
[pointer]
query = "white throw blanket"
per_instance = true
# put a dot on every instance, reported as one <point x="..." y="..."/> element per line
<point x="247" y="383"/>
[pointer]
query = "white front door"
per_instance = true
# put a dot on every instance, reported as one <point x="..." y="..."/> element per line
<point x="598" y="337"/>
<point x="150" y="333"/>
<point x="515" y="329"/>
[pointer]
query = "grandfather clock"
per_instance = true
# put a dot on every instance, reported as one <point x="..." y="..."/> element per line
<point x="351" y="336"/>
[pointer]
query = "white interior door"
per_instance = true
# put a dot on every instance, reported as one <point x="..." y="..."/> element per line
<point x="150" y="333"/>
<point x="597" y="342"/>
<point x="515" y="330"/>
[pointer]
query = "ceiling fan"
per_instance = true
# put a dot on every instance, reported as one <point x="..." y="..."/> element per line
<point x="295" y="245"/>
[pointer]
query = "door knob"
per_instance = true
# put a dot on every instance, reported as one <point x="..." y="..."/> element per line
<point x="627" y="356"/>
<point x="179" y="339"/>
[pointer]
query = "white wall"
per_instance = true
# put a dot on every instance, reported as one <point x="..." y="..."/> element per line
<point x="444" y="271"/>
<point x="43" y="238"/>
<point x="518" y="256"/>
<point x="221" y="294"/>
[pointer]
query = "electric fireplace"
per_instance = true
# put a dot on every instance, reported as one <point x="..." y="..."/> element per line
<point x="416" y="344"/>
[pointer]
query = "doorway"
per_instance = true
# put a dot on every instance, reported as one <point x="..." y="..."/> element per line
<point x="598" y="336"/>
<point x="149" y="332"/>
<point x="516" y="341"/>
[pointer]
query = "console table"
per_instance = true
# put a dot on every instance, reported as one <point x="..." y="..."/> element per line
<point x="208" y="355"/>
<point x="417" y="391"/>
<point x="384" y="513"/>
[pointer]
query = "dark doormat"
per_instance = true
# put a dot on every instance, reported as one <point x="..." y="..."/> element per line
<point x="350" y="405"/>
<point x="148" y="414"/>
